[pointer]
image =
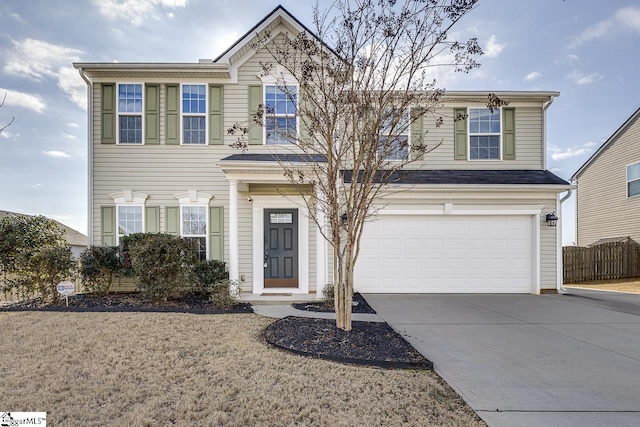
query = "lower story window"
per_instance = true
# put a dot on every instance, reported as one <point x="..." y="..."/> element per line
<point x="194" y="228"/>
<point x="129" y="220"/>
<point x="633" y="180"/>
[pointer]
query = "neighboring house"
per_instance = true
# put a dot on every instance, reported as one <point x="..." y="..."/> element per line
<point x="608" y="188"/>
<point x="472" y="220"/>
<point x="76" y="240"/>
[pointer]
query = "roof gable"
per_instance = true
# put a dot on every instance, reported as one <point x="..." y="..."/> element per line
<point x="609" y="142"/>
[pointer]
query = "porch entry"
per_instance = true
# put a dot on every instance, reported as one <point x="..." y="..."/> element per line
<point x="281" y="248"/>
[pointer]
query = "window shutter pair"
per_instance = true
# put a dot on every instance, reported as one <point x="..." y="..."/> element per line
<point x="508" y="134"/>
<point x="172" y="114"/>
<point x="216" y="228"/>
<point x="108" y="217"/>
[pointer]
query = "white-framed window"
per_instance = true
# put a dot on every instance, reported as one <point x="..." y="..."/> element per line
<point x="394" y="135"/>
<point x="193" y="226"/>
<point x="485" y="129"/>
<point x="194" y="114"/>
<point x="281" y="122"/>
<point x="633" y="180"/>
<point x="130" y="107"/>
<point x="130" y="219"/>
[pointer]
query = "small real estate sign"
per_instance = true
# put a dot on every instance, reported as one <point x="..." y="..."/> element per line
<point x="65" y="289"/>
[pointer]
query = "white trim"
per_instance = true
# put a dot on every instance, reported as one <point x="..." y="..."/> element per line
<point x="205" y="114"/>
<point x="118" y="114"/>
<point x="130" y="197"/>
<point x="193" y="198"/>
<point x="260" y="203"/>
<point x="626" y="175"/>
<point x="277" y="84"/>
<point x="536" y="223"/>
<point x="128" y="205"/>
<point x="206" y="225"/>
<point x="234" y="266"/>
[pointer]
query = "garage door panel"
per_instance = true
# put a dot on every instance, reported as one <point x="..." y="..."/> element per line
<point x="470" y="254"/>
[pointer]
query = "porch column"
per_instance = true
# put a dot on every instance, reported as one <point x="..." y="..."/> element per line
<point x="321" y="254"/>
<point x="233" y="232"/>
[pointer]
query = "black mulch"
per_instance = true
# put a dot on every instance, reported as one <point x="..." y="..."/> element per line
<point x="368" y="343"/>
<point x="360" y="305"/>
<point x="129" y="303"/>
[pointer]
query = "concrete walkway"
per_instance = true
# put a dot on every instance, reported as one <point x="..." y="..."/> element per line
<point x="526" y="360"/>
<point x="280" y="311"/>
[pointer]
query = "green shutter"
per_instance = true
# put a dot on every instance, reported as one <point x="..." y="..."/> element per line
<point x="508" y="134"/>
<point x="108" y="113"/>
<point x="216" y="117"/>
<point x="255" y="130"/>
<point x="152" y="114"/>
<point x="172" y="123"/>
<point x="108" y="221"/>
<point x="152" y="219"/>
<point x="417" y="133"/>
<point x="172" y="220"/>
<point x="460" y="134"/>
<point x="216" y="233"/>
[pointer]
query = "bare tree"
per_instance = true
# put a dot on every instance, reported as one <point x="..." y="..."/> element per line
<point x="12" y="118"/>
<point x="362" y="85"/>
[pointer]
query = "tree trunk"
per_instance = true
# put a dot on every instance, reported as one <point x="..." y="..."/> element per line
<point x="344" y="288"/>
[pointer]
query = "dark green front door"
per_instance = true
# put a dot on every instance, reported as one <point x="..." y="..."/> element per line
<point x="281" y="248"/>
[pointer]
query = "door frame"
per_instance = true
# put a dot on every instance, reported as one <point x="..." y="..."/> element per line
<point x="260" y="203"/>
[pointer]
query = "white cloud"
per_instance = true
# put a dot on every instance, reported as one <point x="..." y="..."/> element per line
<point x="559" y="153"/>
<point x="170" y="15"/>
<point x="584" y="79"/>
<point x="493" y="48"/>
<point x="56" y="154"/>
<point x="8" y="135"/>
<point x="69" y="136"/>
<point x="625" y="19"/>
<point x="23" y="100"/>
<point x="72" y="84"/>
<point x="36" y="185"/>
<point x="532" y="76"/>
<point x="73" y="125"/>
<point x="136" y="11"/>
<point x="37" y="59"/>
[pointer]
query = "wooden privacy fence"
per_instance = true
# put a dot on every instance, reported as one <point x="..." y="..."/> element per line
<point x="613" y="260"/>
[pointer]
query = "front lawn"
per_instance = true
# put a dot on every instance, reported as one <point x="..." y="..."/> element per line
<point x="158" y="369"/>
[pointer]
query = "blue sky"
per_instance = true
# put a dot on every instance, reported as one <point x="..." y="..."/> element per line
<point x="586" y="49"/>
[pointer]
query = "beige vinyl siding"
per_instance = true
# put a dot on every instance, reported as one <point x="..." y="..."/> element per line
<point x="603" y="208"/>
<point x="529" y="153"/>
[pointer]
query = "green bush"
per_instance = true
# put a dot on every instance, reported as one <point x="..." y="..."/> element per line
<point x="162" y="263"/>
<point x="98" y="267"/>
<point x="209" y="274"/>
<point x="329" y="294"/>
<point x="50" y="265"/>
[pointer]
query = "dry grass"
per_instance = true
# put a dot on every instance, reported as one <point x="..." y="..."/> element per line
<point x="157" y="369"/>
<point x="621" y="285"/>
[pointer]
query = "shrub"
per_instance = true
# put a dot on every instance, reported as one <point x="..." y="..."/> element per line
<point x="50" y="265"/>
<point x="162" y="263"/>
<point x="98" y="266"/>
<point x="224" y="294"/>
<point x="208" y="274"/>
<point x="329" y="294"/>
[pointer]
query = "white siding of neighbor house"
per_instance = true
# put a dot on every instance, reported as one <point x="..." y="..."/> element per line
<point x="162" y="171"/>
<point x="603" y="208"/>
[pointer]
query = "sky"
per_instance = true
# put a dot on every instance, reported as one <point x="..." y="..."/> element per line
<point x="589" y="50"/>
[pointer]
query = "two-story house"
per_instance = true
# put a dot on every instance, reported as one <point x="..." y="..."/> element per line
<point x="473" y="217"/>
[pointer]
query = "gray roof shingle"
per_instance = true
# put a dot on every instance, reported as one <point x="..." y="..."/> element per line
<point x="466" y="177"/>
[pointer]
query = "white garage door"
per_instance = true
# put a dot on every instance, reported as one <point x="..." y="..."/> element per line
<point x="446" y="254"/>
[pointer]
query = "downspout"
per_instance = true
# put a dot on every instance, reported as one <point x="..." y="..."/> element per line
<point x="89" y="156"/>
<point x="560" y="261"/>
<point x="545" y="107"/>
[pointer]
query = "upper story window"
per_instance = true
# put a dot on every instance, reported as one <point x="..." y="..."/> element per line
<point x="280" y="108"/>
<point x="633" y="180"/>
<point x="130" y="113"/>
<point x="484" y="134"/>
<point x="393" y="141"/>
<point x="194" y="228"/>
<point x="130" y="220"/>
<point x="194" y="114"/>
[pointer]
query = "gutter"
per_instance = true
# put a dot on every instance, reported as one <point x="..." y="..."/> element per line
<point x="544" y="131"/>
<point x="559" y="263"/>
<point x="89" y="156"/>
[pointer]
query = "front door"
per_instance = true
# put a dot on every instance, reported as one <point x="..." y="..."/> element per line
<point x="281" y="248"/>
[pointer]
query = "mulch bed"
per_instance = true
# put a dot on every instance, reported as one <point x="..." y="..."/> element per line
<point x="129" y="303"/>
<point x="360" y="306"/>
<point x="368" y="343"/>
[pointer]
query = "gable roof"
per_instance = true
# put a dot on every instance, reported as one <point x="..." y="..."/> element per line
<point x="273" y="17"/>
<point x="607" y="144"/>
<point x="73" y="237"/>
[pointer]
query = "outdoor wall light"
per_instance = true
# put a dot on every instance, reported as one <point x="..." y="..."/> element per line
<point x="344" y="218"/>
<point x="552" y="219"/>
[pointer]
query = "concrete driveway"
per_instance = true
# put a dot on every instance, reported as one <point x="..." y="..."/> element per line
<point x="527" y="360"/>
